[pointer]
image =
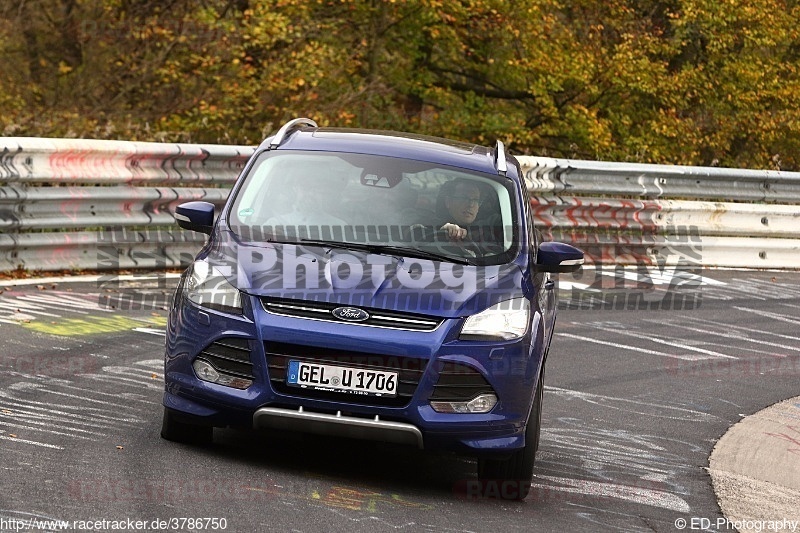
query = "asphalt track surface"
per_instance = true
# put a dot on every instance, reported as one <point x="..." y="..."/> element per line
<point x="638" y="392"/>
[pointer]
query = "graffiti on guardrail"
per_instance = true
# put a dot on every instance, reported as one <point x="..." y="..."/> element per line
<point x="622" y="213"/>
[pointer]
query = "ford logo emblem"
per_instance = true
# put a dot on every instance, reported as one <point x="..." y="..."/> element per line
<point x="350" y="314"/>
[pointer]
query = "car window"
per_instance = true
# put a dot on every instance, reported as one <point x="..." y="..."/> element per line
<point x="375" y="199"/>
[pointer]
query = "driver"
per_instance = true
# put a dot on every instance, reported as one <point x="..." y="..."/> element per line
<point x="462" y="204"/>
<point x="458" y="206"/>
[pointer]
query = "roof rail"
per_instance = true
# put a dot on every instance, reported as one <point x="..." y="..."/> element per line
<point x="288" y="128"/>
<point x="500" y="159"/>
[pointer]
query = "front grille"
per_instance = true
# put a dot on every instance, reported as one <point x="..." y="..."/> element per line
<point x="458" y="383"/>
<point x="410" y="371"/>
<point x="230" y="355"/>
<point x="324" y="311"/>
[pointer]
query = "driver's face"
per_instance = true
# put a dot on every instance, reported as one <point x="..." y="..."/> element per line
<point x="464" y="203"/>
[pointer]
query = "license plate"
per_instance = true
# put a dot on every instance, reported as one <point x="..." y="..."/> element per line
<point x="360" y="381"/>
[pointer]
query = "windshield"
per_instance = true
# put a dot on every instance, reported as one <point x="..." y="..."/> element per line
<point x="378" y="202"/>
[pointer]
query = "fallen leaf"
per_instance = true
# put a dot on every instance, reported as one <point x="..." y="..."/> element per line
<point x="154" y="376"/>
<point x="12" y="435"/>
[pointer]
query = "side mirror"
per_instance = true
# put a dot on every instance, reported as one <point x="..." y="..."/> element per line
<point x="195" y="216"/>
<point x="558" y="257"/>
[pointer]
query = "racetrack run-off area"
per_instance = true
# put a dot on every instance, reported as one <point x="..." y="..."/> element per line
<point x="638" y="391"/>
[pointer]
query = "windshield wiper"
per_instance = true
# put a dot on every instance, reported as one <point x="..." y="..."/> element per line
<point x="389" y="249"/>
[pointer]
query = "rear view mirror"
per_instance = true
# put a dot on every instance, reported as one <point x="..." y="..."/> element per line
<point x="558" y="257"/>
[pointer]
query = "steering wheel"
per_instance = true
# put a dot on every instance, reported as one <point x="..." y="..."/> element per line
<point x="441" y="239"/>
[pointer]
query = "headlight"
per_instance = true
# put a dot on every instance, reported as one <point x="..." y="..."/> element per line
<point x="504" y="321"/>
<point x="207" y="287"/>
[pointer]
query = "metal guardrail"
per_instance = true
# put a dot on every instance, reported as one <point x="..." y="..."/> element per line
<point x="573" y="177"/>
<point x="105" y="205"/>
<point x="664" y="214"/>
<point x="108" y="205"/>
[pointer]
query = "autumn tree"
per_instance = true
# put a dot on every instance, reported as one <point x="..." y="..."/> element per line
<point x="673" y="81"/>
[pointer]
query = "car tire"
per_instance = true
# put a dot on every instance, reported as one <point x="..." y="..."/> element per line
<point x="177" y="430"/>
<point x="510" y="478"/>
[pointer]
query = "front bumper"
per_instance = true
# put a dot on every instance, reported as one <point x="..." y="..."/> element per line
<point x="511" y="368"/>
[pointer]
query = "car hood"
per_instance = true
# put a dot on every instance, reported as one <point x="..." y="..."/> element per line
<point x="357" y="278"/>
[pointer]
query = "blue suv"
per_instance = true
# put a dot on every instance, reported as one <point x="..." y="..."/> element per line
<point x="373" y="285"/>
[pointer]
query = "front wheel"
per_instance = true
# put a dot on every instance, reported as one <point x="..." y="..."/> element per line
<point x="510" y="478"/>
<point x="175" y="429"/>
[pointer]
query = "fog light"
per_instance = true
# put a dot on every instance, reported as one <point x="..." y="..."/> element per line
<point x="207" y="372"/>
<point x="480" y="404"/>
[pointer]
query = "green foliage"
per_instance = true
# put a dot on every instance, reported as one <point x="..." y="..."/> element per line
<point x="674" y="81"/>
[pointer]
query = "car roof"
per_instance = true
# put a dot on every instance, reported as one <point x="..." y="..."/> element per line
<point x="389" y="143"/>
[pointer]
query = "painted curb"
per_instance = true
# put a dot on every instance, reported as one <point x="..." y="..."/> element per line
<point x="755" y="466"/>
